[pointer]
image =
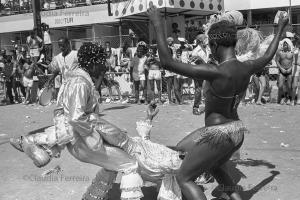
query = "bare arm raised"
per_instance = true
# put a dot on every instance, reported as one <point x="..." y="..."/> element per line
<point x="203" y="71"/>
<point x="260" y="63"/>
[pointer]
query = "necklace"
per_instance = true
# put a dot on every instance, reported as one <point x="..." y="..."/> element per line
<point x="229" y="59"/>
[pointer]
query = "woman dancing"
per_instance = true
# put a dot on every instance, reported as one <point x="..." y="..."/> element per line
<point x="211" y="146"/>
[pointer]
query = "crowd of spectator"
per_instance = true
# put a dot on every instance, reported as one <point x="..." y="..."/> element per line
<point x="140" y="69"/>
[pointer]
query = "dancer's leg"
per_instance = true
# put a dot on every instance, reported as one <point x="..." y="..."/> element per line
<point x="228" y="186"/>
<point x="202" y="157"/>
<point x="111" y="158"/>
<point x="100" y="186"/>
<point x="187" y="143"/>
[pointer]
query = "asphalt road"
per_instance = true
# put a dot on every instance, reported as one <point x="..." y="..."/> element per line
<point x="269" y="170"/>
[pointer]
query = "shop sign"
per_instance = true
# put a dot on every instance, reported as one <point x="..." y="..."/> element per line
<point x="77" y="16"/>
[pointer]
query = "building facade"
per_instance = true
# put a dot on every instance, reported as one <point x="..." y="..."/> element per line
<point x="261" y="13"/>
<point x="89" y="20"/>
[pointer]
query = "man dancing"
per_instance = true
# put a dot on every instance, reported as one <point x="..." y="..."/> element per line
<point x="77" y="126"/>
<point x="284" y="60"/>
<point x="223" y="133"/>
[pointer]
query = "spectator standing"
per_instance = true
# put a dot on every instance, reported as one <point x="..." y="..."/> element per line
<point x="10" y="82"/>
<point x="62" y="63"/>
<point x="112" y="50"/>
<point x="261" y="84"/>
<point x="137" y="71"/>
<point x="154" y="74"/>
<point x="34" y="45"/>
<point x="284" y="60"/>
<point x="2" y="60"/>
<point x="110" y="60"/>
<point x="170" y="85"/>
<point x="29" y="72"/>
<point x="125" y="57"/>
<point x="170" y="75"/>
<point x="109" y="77"/>
<point x="178" y="80"/>
<point x="199" y="55"/>
<point x="47" y="42"/>
<point x="20" y="75"/>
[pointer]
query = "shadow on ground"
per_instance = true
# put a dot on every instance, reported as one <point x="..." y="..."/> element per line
<point x="254" y="163"/>
<point x="116" y="108"/>
<point x="236" y="174"/>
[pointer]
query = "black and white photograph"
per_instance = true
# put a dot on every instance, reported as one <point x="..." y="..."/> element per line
<point x="149" y="99"/>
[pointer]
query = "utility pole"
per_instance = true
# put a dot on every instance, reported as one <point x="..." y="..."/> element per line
<point x="36" y="7"/>
<point x="290" y="12"/>
<point x="109" y="8"/>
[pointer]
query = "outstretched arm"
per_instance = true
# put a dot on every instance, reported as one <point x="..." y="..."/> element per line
<point x="260" y="63"/>
<point x="203" y="71"/>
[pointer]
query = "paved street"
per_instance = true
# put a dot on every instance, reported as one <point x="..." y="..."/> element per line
<point x="269" y="171"/>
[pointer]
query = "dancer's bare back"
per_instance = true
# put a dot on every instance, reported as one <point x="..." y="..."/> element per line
<point x="227" y="81"/>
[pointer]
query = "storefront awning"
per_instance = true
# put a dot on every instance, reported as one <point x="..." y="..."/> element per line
<point x="95" y="14"/>
<point x="138" y="8"/>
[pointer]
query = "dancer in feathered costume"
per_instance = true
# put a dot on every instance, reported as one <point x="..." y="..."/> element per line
<point x="208" y="148"/>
